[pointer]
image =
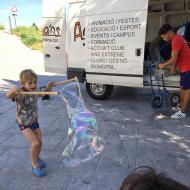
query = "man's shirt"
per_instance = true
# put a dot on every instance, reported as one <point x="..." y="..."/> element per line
<point x="183" y="60"/>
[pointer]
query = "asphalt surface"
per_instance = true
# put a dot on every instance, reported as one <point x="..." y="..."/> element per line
<point x="134" y="135"/>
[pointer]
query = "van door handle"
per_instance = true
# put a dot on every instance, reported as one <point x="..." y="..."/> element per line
<point x="57" y="47"/>
<point x="47" y="55"/>
<point x="138" y="52"/>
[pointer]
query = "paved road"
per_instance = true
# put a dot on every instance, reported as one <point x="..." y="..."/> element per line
<point x="133" y="134"/>
<point x="15" y="56"/>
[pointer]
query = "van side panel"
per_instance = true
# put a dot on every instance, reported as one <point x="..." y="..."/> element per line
<point x="108" y="40"/>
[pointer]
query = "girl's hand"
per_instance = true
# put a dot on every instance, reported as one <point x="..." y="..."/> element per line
<point x="49" y="86"/>
<point x="13" y="92"/>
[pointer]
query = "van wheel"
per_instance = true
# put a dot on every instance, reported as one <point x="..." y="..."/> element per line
<point x="99" y="91"/>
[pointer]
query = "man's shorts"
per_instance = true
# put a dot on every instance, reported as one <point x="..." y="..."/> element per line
<point x="185" y="80"/>
<point x="32" y="126"/>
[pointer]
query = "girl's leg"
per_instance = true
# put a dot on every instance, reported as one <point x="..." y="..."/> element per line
<point x="37" y="132"/>
<point x="38" y="135"/>
<point x="35" y="145"/>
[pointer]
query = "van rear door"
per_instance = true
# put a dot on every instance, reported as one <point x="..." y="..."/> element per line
<point x="54" y="36"/>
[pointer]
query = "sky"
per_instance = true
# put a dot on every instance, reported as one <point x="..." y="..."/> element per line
<point x="29" y="12"/>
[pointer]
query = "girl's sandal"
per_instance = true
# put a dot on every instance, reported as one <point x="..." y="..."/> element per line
<point x="38" y="172"/>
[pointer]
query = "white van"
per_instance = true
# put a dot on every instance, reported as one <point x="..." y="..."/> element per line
<point x="106" y="42"/>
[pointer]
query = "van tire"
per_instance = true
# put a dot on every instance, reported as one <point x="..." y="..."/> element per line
<point x="99" y="91"/>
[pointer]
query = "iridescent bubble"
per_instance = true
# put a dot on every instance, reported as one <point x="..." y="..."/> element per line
<point x="71" y="95"/>
<point x="84" y="119"/>
<point x="83" y="145"/>
<point x="83" y="142"/>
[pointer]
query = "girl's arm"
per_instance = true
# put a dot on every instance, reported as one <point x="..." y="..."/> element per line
<point x="46" y="88"/>
<point x="49" y="86"/>
<point x="12" y="93"/>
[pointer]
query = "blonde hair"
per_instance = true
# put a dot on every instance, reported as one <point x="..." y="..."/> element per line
<point x="27" y="75"/>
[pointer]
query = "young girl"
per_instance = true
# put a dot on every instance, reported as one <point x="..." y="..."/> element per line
<point x="27" y="116"/>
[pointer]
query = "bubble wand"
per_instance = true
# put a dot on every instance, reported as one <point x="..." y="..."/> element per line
<point x="51" y="92"/>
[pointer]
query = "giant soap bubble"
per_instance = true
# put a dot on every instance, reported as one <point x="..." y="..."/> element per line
<point x="83" y="142"/>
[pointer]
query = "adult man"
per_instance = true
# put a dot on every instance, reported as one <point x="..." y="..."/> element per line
<point x="180" y="57"/>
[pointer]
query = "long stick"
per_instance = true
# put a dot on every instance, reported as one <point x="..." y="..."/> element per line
<point x="65" y="81"/>
<point x="40" y="93"/>
<point x="51" y="93"/>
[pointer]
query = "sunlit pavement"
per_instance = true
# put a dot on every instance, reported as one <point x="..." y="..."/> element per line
<point x="15" y="57"/>
<point x="134" y="136"/>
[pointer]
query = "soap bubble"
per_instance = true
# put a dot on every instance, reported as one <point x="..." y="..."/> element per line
<point x="83" y="142"/>
<point x="71" y="95"/>
<point x="84" y="119"/>
<point x="83" y="145"/>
